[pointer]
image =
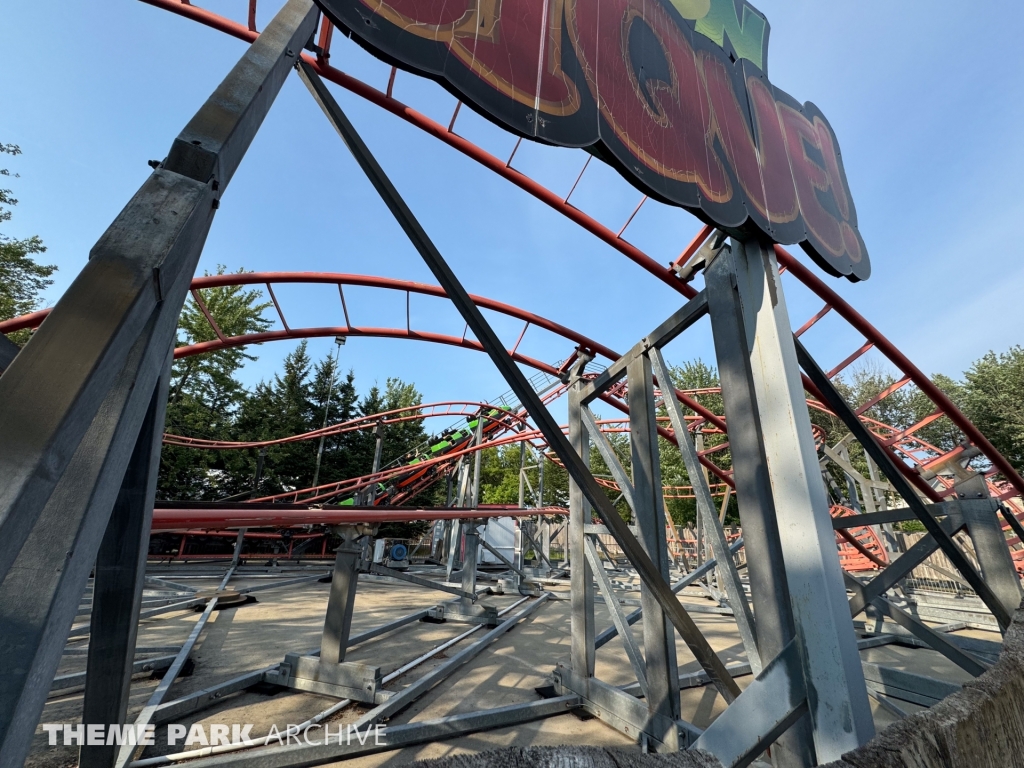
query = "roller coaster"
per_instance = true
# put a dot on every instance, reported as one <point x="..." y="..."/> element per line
<point x="88" y="442"/>
<point x="411" y="474"/>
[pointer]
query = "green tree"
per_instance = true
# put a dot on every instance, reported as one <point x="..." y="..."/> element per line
<point x="992" y="396"/>
<point x="335" y="400"/>
<point x="499" y="477"/>
<point x="205" y="394"/>
<point x="22" y="278"/>
<point x="703" y="382"/>
<point x="276" y="409"/>
<point x="400" y="438"/>
<point x="398" y="444"/>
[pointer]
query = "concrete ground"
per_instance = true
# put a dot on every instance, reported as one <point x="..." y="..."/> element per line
<point x="246" y="638"/>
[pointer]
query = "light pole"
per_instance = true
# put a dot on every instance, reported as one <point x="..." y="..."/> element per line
<point x="340" y="342"/>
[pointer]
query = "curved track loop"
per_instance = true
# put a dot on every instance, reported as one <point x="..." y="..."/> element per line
<point x="860" y="549"/>
<point x="397" y="416"/>
<point x="914" y="452"/>
<point x="833" y="302"/>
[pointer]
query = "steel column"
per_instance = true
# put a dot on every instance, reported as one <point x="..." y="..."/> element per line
<point x="342" y="600"/>
<point x="769" y="587"/>
<point x="120" y="574"/>
<point x="989" y="541"/>
<point x="469" y="556"/>
<point x="765" y="566"/>
<point x="581" y="588"/>
<point x="747" y="276"/>
<point x="659" y="639"/>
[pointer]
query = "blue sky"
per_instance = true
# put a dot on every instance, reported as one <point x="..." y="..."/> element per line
<point x="926" y="100"/>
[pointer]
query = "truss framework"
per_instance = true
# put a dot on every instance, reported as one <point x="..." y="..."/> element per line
<point x="80" y="454"/>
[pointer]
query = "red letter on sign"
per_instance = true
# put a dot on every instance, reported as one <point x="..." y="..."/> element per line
<point x="642" y="73"/>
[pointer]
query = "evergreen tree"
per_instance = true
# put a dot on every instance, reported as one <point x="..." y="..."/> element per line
<point x="400" y="438"/>
<point x="205" y="395"/>
<point x="281" y="408"/>
<point x="335" y="398"/>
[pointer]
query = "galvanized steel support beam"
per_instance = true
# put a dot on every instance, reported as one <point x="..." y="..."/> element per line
<point x="636" y="658"/>
<point x="935" y="640"/>
<point x="691" y="578"/>
<point x="769" y="588"/>
<point x="582" y="651"/>
<point x="990" y="545"/>
<point x="472" y="551"/>
<point x="342" y="600"/>
<point x="659" y="639"/>
<point x="625" y="712"/>
<point x="902" y="486"/>
<point x="120" y="574"/>
<point x="74" y="400"/>
<point x="782" y="499"/>
<point x="769" y="706"/>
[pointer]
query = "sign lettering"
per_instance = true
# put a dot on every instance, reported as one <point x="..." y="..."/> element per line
<point x="672" y="93"/>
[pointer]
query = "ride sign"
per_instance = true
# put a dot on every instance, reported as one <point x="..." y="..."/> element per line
<point x="673" y="93"/>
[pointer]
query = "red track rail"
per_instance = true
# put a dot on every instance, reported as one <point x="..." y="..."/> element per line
<point x="289" y="516"/>
<point x="902" y="441"/>
<point x="561" y="204"/>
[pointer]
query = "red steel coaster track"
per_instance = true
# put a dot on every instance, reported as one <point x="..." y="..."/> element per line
<point x="1014" y="484"/>
<point x="914" y="457"/>
<point x="802" y="702"/>
<point x="860" y="548"/>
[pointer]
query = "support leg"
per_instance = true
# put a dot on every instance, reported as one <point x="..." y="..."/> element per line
<point x="117" y="595"/>
<point x="581" y="593"/>
<point x="744" y="285"/>
<point x="659" y="637"/>
<point x="989" y="543"/>
<point x="768" y="583"/>
<point x="469" y="559"/>
<point x="341" y="603"/>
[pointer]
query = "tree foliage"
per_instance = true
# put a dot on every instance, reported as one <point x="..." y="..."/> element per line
<point x="208" y="401"/>
<point x="992" y="397"/>
<point x="22" y="278"/>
